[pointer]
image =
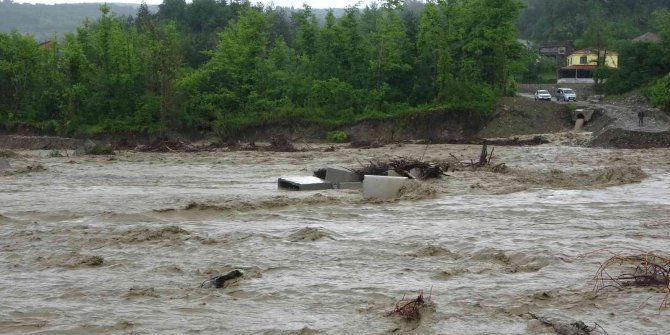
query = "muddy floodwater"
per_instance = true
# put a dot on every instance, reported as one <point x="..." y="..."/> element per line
<point x="99" y="245"/>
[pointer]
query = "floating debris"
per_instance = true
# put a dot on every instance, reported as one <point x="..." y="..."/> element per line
<point x="169" y="145"/>
<point x="282" y="144"/>
<point x="410" y="309"/>
<point x="403" y="167"/>
<point x="220" y="281"/>
<point x="564" y="328"/>
<point x="645" y="269"/>
<point x="373" y="168"/>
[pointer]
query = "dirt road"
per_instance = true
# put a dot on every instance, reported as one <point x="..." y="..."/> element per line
<point x="616" y="124"/>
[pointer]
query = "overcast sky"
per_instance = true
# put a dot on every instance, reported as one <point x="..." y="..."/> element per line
<point x="294" y="3"/>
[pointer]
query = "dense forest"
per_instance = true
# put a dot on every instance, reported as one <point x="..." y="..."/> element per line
<point x="212" y="66"/>
<point x="567" y="20"/>
<point x="215" y="66"/>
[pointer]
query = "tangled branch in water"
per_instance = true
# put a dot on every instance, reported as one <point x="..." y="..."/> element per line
<point x="645" y="269"/>
<point x="407" y="167"/>
<point x="410" y="309"/>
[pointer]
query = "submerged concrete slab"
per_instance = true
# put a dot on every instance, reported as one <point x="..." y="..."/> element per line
<point x="339" y="175"/>
<point x="4" y="164"/>
<point x="382" y="187"/>
<point x="303" y="184"/>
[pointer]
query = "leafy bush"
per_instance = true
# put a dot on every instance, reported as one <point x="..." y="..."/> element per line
<point x="572" y="106"/>
<point x="659" y="93"/>
<point x="639" y="64"/>
<point x="337" y="136"/>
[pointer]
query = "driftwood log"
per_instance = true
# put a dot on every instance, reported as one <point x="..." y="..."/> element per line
<point x="220" y="281"/>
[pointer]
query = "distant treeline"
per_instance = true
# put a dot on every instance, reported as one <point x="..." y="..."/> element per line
<point x="46" y="21"/>
<point x="540" y="20"/>
<point x="567" y="20"/>
<point x="213" y="66"/>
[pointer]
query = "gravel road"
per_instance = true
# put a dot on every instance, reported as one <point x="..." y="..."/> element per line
<point x="624" y="116"/>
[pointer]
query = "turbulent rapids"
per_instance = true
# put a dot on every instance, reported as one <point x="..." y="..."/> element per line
<point x="122" y="245"/>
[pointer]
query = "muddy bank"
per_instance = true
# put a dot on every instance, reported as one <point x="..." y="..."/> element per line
<point x="628" y="139"/>
<point x="17" y="142"/>
<point x="516" y="121"/>
<point x="519" y="116"/>
<point x="439" y="126"/>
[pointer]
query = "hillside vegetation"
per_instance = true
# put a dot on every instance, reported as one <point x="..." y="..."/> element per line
<point x="209" y="66"/>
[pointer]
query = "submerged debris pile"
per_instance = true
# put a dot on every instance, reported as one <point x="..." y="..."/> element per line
<point x="168" y="145"/>
<point x="279" y="143"/>
<point x="535" y="140"/>
<point x="565" y="328"/>
<point x="484" y="162"/>
<point x="645" y="269"/>
<point x="373" y="168"/>
<point x="416" y="169"/>
<point x="406" y="167"/>
<point x="410" y="309"/>
<point x="282" y="144"/>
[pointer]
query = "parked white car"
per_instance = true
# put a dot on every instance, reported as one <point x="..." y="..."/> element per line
<point x="566" y="94"/>
<point x="542" y="95"/>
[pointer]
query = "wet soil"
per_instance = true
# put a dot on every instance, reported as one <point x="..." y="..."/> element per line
<point x="519" y="116"/>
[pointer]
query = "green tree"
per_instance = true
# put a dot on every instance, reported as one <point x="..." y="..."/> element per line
<point x="390" y="61"/>
<point x="662" y="22"/>
<point x="225" y="87"/>
<point x="490" y="41"/>
<point x="434" y="55"/>
<point x="351" y="49"/>
<point x="164" y="49"/>
<point x="19" y="61"/>
<point x="306" y="32"/>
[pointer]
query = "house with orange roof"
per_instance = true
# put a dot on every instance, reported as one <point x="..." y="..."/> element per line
<point x="581" y="65"/>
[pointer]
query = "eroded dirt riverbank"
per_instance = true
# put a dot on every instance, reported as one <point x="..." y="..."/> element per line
<point x="93" y="245"/>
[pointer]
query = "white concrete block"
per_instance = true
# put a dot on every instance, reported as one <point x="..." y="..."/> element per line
<point x="382" y="187"/>
<point x="303" y="184"/>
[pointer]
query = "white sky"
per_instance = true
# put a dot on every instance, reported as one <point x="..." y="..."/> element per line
<point x="288" y="3"/>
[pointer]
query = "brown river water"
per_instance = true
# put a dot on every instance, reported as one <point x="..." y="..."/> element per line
<point x="90" y="245"/>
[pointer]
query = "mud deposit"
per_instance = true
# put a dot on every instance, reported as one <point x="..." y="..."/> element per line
<point x="90" y="245"/>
